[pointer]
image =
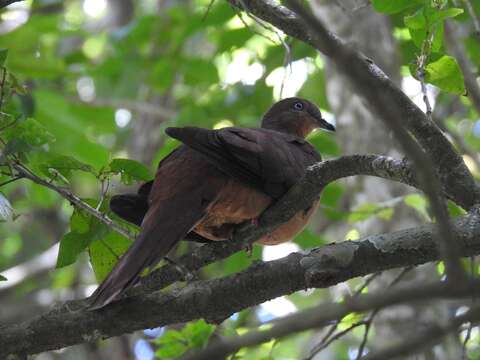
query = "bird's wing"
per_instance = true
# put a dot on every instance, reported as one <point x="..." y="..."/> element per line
<point x="177" y="202"/>
<point x="133" y="207"/>
<point x="269" y="160"/>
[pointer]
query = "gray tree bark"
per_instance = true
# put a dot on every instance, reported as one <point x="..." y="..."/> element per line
<point x="360" y="132"/>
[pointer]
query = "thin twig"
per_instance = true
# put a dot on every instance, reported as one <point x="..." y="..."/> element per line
<point x="420" y="72"/>
<point x="335" y="337"/>
<point x="287" y="58"/>
<point x="11" y="180"/>
<point x="369" y="321"/>
<point x="75" y="200"/>
<point x="368" y="324"/>
<point x="2" y="85"/>
<point x="327" y="337"/>
<point x="470" y="325"/>
<point x="465" y="341"/>
<point x="209" y="7"/>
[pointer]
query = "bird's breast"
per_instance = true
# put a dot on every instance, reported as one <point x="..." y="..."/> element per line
<point x="234" y="204"/>
<point x="237" y="203"/>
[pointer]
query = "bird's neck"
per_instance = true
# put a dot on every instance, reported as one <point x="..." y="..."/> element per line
<point x="299" y="128"/>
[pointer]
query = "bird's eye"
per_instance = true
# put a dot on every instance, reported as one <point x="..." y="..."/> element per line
<point x="298" y="106"/>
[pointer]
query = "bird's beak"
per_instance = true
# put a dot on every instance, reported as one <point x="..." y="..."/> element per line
<point x="323" y="124"/>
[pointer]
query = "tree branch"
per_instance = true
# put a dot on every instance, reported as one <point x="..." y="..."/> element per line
<point x="74" y="200"/>
<point x="5" y="3"/>
<point x="382" y="94"/>
<point x="298" y="198"/>
<point x="356" y="66"/>
<point x="319" y="316"/>
<point x="217" y="299"/>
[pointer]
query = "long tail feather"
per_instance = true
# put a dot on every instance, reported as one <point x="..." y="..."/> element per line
<point x="162" y="228"/>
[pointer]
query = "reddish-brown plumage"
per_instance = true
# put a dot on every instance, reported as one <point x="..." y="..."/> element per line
<point x="215" y="181"/>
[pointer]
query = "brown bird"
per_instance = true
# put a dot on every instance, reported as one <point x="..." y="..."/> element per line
<point x="216" y="180"/>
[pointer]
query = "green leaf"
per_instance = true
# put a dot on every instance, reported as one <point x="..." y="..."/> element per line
<point x="172" y="345"/>
<point x="71" y="245"/>
<point x="3" y="56"/>
<point x="105" y="252"/>
<point x="16" y="85"/>
<point x="28" y="132"/>
<point x="324" y="142"/>
<point x="315" y="89"/>
<point x="385" y="214"/>
<point x="473" y="48"/>
<point x="425" y="17"/>
<point x="419" y="35"/>
<point x="307" y="239"/>
<point x="76" y="128"/>
<point x="365" y="211"/>
<point x="80" y="222"/>
<point x="62" y="164"/>
<point x="199" y="71"/>
<point x="3" y="278"/>
<point x="329" y="200"/>
<point x="440" y="15"/>
<point x="84" y="229"/>
<point x="163" y="74"/>
<point x="198" y="333"/>
<point x="455" y="210"/>
<point x="418" y="202"/>
<point x="130" y="170"/>
<point x="234" y="38"/>
<point x="446" y="74"/>
<point x="394" y="6"/>
<point x="240" y="260"/>
<point x="416" y="21"/>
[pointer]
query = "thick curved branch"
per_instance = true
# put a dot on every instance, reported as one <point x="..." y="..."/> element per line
<point x="217" y="299"/>
<point x="298" y="198"/>
<point x="375" y="90"/>
<point x="397" y="111"/>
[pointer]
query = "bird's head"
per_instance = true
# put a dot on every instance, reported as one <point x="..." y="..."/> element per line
<point x="295" y="116"/>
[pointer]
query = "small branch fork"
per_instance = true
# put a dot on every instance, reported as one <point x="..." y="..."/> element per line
<point x="319" y="316"/>
<point x="23" y="172"/>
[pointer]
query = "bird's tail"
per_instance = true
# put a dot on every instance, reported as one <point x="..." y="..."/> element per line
<point x="161" y="229"/>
